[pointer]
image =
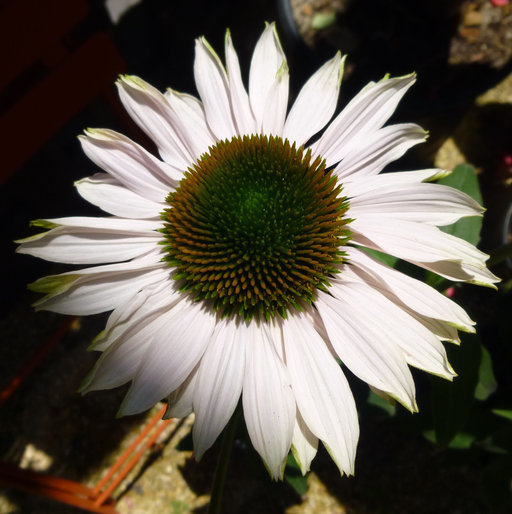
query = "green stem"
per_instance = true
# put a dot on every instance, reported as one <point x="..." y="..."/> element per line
<point x="222" y="465"/>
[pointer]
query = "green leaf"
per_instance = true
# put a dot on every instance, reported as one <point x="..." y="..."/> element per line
<point x="504" y="413"/>
<point x="436" y="281"/>
<point x="462" y="441"/>
<point x="377" y="401"/>
<point x="451" y="402"/>
<point x="293" y="476"/>
<point x="382" y="257"/>
<point x="486" y="381"/>
<point x="464" y="179"/>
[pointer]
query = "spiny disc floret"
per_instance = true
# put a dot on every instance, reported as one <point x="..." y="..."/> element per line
<point x="255" y="227"/>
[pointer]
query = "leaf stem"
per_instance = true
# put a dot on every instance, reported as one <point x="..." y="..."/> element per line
<point x="222" y="464"/>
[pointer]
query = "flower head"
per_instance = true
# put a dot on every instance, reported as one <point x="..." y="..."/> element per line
<point x="235" y="263"/>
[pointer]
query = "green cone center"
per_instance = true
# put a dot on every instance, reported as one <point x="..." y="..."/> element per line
<point x="255" y="227"/>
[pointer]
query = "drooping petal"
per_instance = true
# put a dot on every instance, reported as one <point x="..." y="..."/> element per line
<point x="322" y="393"/>
<point x="365" y="113"/>
<point x="315" y="103"/>
<point x="219" y="383"/>
<point x="121" y="361"/>
<point x="412" y="292"/>
<point x="179" y="402"/>
<point x="244" y="118"/>
<point x="113" y="197"/>
<point x="424" y="245"/>
<point x="176" y="346"/>
<point x="304" y="444"/>
<point x="130" y="164"/>
<point x="419" y="345"/>
<point x="370" y="155"/>
<point x="267" y="65"/>
<point x="268" y="402"/>
<point x="129" y="333"/>
<point x="146" y="304"/>
<point x="98" y="289"/>
<point x="213" y="87"/>
<point x="366" y="352"/>
<point x="443" y="330"/>
<point x="476" y="273"/>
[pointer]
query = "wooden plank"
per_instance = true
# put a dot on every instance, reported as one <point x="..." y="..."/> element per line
<point x="29" y="27"/>
<point x="56" y="99"/>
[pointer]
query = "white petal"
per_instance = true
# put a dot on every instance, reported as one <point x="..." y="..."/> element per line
<point x="269" y="406"/>
<point x="370" y="356"/>
<point x="213" y="88"/>
<point x="420" y="346"/>
<point x="73" y="245"/>
<point x="268" y="63"/>
<point x="365" y="113"/>
<point x="130" y="164"/>
<point x="277" y="102"/>
<point x="304" y="444"/>
<point x="191" y="101"/>
<point x="219" y="383"/>
<point x="179" y="402"/>
<point x="315" y="103"/>
<point x="150" y="110"/>
<point x="91" y="240"/>
<point x="441" y="329"/>
<point x="193" y="126"/>
<point x="359" y="185"/>
<point x="130" y="338"/>
<point x="414" y="293"/>
<point x="111" y="224"/>
<point x="100" y="294"/>
<point x="144" y="306"/>
<point x="433" y="204"/>
<point x="110" y="195"/>
<point x="415" y="242"/>
<point x="241" y="106"/>
<point x="179" y="342"/>
<point x="100" y="288"/>
<point x="456" y="270"/>
<point x="371" y="154"/>
<point x="322" y="393"/>
<point x="120" y="362"/>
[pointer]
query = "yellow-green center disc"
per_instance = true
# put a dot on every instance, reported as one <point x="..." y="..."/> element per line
<point x="255" y="227"/>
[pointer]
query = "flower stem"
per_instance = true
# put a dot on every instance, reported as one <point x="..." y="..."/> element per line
<point x="222" y="464"/>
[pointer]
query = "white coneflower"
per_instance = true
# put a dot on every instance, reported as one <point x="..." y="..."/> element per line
<point x="234" y="263"/>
